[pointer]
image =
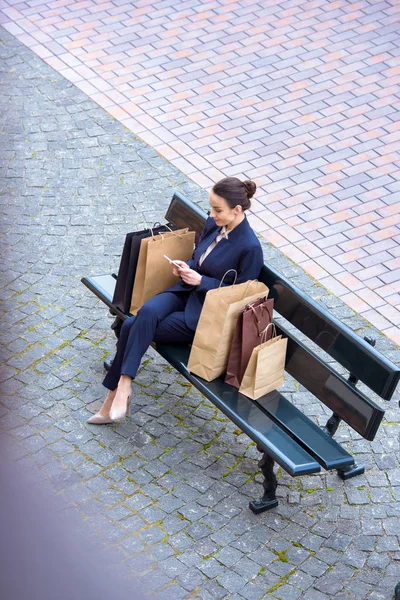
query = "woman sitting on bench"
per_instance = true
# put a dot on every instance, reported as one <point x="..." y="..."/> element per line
<point x="227" y="242"/>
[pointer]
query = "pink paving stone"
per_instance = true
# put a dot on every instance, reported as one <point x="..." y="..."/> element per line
<point x="313" y="269"/>
<point x="356" y="303"/>
<point x="334" y="286"/>
<point x="166" y="151"/>
<point x="331" y="266"/>
<point x="150" y="138"/>
<point x="313" y="225"/>
<point x="202" y="180"/>
<point x="375" y="318"/>
<point x="289" y="233"/>
<point x="118" y="113"/>
<point x="383" y="234"/>
<point x="271" y="219"/>
<point x="56" y="63"/>
<point x="393" y="333"/>
<point x="41" y="51"/>
<point x="375" y="271"/>
<point x="294" y="254"/>
<point x="86" y="87"/>
<point x="102" y="100"/>
<point x="13" y="28"/>
<point x="272" y="236"/>
<point x="370" y="297"/>
<point x="391" y="276"/>
<point x="310" y="249"/>
<point x="394" y="300"/>
<point x="391" y="313"/>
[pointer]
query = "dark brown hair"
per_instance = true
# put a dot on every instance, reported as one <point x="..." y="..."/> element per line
<point x="235" y="192"/>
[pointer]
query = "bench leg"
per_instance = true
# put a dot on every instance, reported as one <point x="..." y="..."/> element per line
<point x="116" y="325"/>
<point x="268" y="500"/>
<point x="332" y="425"/>
<point x="352" y="471"/>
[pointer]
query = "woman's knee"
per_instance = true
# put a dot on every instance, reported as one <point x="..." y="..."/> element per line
<point x="126" y="325"/>
<point x="148" y="312"/>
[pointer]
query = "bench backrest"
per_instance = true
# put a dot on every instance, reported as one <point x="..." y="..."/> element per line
<point x="359" y="358"/>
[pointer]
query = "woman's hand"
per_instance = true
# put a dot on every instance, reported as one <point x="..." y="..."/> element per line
<point x="177" y="265"/>
<point x="189" y="276"/>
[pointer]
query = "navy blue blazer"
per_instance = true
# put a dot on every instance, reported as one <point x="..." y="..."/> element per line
<point x="241" y="252"/>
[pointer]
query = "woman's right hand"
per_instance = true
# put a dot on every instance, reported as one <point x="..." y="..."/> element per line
<point x="176" y="270"/>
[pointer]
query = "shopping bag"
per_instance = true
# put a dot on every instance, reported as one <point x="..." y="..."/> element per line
<point x="154" y="272"/>
<point x="128" y="263"/>
<point x="265" y="371"/>
<point x="213" y="338"/>
<point x="251" y="325"/>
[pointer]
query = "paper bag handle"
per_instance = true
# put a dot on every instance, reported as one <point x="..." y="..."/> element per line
<point x="264" y="333"/>
<point x="228" y="271"/>
<point x="173" y="233"/>
<point x="249" y="283"/>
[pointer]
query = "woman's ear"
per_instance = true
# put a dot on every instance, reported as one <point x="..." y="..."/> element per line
<point x="238" y="209"/>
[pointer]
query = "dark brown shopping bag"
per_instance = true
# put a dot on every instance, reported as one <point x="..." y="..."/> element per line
<point x="266" y="368"/>
<point x="212" y="341"/>
<point x="128" y="263"/>
<point x="154" y="272"/>
<point x="250" y="327"/>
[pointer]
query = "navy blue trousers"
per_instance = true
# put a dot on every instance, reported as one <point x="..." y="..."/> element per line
<point x="162" y="320"/>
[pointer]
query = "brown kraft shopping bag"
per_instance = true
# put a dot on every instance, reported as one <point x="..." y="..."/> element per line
<point x="212" y="341"/>
<point x="153" y="271"/>
<point x="265" y="371"/>
<point x="250" y="329"/>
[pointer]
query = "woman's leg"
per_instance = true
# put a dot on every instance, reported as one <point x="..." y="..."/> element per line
<point x="111" y="379"/>
<point x="173" y="330"/>
<point x="135" y="343"/>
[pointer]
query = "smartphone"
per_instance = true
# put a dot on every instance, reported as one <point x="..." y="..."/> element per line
<point x="172" y="261"/>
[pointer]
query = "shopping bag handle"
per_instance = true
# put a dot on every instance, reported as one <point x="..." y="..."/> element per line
<point x="249" y="283"/>
<point x="172" y="231"/>
<point x="264" y="333"/>
<point x="228" y="271"/>
<point x="251" y="307"/>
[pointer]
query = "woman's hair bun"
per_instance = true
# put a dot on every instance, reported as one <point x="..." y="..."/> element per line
<point x="250" y="187"/>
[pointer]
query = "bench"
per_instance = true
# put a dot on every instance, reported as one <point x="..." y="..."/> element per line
<point x="283" y="433"/>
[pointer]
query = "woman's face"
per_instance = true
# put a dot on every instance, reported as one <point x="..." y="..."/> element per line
<point x="222" y="213"/>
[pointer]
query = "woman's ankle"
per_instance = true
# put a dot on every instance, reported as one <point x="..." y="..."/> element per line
<point x="124" y="385"/>
<point x="105" y="408"/>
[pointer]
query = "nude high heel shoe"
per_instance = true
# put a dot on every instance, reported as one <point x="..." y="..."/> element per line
<point x="118" y="414"/>
<point x="99" y="419"/>
<point x="103" y="419"/>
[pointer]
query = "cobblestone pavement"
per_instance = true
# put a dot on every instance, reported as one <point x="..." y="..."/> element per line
<point x="302" y="96"/>
<point x="166" y="492"/>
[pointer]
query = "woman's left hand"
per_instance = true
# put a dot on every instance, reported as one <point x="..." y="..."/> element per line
<point x="190" y="277"/>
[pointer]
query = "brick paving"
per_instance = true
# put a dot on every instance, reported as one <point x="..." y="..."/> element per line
<point x="302" y="96"/>
<point x="166" y="492"/>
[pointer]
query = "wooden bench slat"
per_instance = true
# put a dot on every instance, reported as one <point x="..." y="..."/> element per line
<point x="246" y="415"/>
